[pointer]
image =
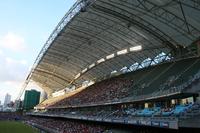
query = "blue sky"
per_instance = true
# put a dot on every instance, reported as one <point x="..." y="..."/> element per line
<point x="25" y="25"/>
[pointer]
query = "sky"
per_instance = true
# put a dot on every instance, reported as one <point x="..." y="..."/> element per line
<point x="25" y="25"/>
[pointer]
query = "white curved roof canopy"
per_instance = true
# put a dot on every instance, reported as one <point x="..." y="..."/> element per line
<point x="95" y="29"/>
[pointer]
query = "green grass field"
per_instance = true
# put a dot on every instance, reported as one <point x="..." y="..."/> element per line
<point x="15" y="127"/>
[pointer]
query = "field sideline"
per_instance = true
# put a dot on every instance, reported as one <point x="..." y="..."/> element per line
<point x="15" y="127"/>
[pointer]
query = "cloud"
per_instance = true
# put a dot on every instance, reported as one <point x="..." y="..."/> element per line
<point x="1" y="52"/>
<point x="12" y="88"/>
<point x="12" y="75"/>
<point x="13" y="42"/>
<point x="12" y="70"/>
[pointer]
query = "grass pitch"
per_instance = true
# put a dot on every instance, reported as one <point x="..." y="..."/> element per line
<point x="15" y="127"/>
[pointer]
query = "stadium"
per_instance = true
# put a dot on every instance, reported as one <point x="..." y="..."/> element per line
<point x="120" y="66"/>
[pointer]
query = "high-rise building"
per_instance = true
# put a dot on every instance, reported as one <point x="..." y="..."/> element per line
<point x="7" y="99"/>
<point x="18" y="104"/>
<point x="31" y="99"/>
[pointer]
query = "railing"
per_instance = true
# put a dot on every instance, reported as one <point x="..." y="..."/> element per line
<point x="123" y="120"/>
<point x="42" y="128"/>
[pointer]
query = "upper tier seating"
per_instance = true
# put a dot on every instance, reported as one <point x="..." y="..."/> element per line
<point x="145" y="81"/>
<point x="52" y="100"/>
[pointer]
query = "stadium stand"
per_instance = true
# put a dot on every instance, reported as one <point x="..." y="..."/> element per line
<point x="10" y="116"/>
<point x="64" y="126"/>
<point x="53" y="100"/>
<point x="160" y="78"/>
<point x="143" y="57"/>
<point x="121" y="103"/>
<point x="128" y="109"/>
